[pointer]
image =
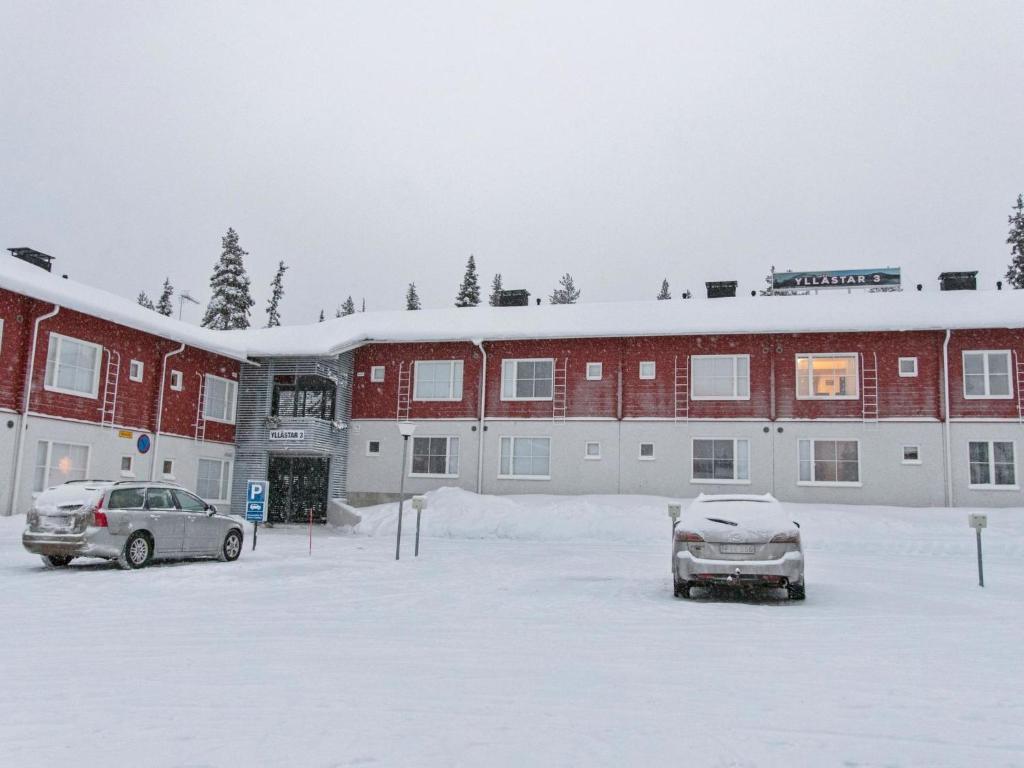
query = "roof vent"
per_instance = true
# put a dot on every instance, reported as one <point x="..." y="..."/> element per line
<point x="722" y="289"/>
<point x="958" y="281"/>
<point x="32" y="256"/>
<point x="517" y="298"/>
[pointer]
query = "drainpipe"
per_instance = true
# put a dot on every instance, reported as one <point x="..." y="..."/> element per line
<point x="948" y="463"/>
<point x="160" y="408"/>
<point x="483" y="409"/>
<point x="26" y="401"/>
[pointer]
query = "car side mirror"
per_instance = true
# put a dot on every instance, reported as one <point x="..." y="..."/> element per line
<point x="212" y="510"/>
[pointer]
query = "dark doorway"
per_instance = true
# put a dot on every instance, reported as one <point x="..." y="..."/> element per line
<point x="298" y="484"/>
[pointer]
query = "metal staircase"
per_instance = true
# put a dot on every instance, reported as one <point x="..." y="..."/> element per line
<point x="108" y="411"/>
<point x="404" y="392"/>
<point x="682" y="389"/>
<point x="559" y="390"/>
<point x="200" y="424"/>
<point x="869" y="387"/>
<point x="1020" y="387"/>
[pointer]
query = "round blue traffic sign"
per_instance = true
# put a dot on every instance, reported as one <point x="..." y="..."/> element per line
<point x="143" y="443"/>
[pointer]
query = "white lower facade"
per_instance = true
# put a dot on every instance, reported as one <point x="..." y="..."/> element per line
<point x="56" y="450"/>
<point x="844" y="462"/>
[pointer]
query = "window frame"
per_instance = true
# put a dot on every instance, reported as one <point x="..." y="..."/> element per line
<point x="130" y="472"/>
<point x="992" y="485"/>
<point x="142" y="371"/>
<point x="374" y="370"/>
<point x="735" y="377"/>
<point x="514" y="361"/>
<point x="858" y="483"/>
<point x="49" y="457"/>
<point x="600" y="371"/>
<point x="167" y="475"/>
<point x="447" y="456"/>
<point x="181" y="381"/>
<point x="586" y="448"/>
<point x="1" y="336"/>
<point x="374" y="454"/>
<point x="735" y="462"/>
<point x="59" y="338"/>
<point x="225" y="479"/>
<point x="1009" y="374"/>
<point x="451" y="398"/>
<point x="640" y="451"/>
<point x="811" y="356"/>
<point x="903" y="454"/>
<point x="654" y="370"/>
<point x="512" y="457"/>
<point x="899" y="368"/>
<point x="232" y="390"/>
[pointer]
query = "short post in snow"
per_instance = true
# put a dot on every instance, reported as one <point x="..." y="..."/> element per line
<point x="310" y="531"/>
<point x="419" y="503"/>
<point x="977" y="522"/>
<point x="406" y="430"/>
<point x="675" y="509"/>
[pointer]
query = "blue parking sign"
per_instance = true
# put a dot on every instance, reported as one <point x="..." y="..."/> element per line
<point x="257" y="494"/>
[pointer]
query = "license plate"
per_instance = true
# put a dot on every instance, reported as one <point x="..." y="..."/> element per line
<point x="738" y="549"/>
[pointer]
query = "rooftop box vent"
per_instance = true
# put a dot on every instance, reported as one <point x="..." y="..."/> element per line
<point x="721" y="289"/>
<point x="958" y="281"/>
<point x="32" y="256"/>
<point x="516" y="298"/>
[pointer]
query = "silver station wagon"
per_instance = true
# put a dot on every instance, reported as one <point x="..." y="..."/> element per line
<point x="130" y="522"/>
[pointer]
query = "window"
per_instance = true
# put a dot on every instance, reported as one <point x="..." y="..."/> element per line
<point x="595" y="371"/>
<point x="826" y="377"/>
<point x="373" y="447"/>
<point x="648" y="369"/>
<point x="303" y="396"/>
<point x="219" y="404"/>
<point x="592" y="451"/>
<point x="213" y="480"/>
<point x="721" y="461"/>
<point x="177" y="381"/>
<point x="829" y="462"/>
<point x="126" y="466"/>
<point x="437" y="380"/>
<point x="1" y="334"/>
<point x="376" y="374"/>
<point x="57" y="463"/>
<point x="993" y="464"/>
<point x="187" y="502"/>
<point x="73" y="366"/>
<point x="159" y="498"/>
<point x="908" y="367"/>
<point x="435" y="457"/>
<point x="647" y="451"/>
<point x="526" y="458"/>
<point x="987" y="375"/>
<point x="911" y="454"/>
<point x="135" y="369"/>
<point x="526" y="379"/>
<point x="720" y="377"/>
<point x="127" y="498"/>
<point x="168" y="469"/>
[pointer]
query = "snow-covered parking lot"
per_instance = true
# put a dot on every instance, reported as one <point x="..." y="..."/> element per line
<point x="530" y="632"/>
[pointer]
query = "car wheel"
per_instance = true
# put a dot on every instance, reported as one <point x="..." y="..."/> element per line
<point x="232" y="547"/>
<point x="137" y="552"/>
<point x="57" y="561"/>
<point x="683" y="589"/>
<point x="796" y="592"/>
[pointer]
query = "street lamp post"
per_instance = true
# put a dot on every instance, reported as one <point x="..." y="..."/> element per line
<point x="406" y="430"/>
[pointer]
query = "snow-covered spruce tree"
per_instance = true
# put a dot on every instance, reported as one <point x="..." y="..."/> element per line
<point x="567" y="292"/>
<point x="664" y="294"/>
<point x="348" y="307"/>
<point x="145" y="301"/>
<point x="1015" y="273"/>
<point x="412" y="299"/>
<point x="469" y="291"/>
<point x="163" y="304"/>
<point x="230" y="301"/>
<point x="276" y="294"/>
<point x="496" y="288"/>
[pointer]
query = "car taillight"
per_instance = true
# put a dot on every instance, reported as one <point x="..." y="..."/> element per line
<point x="98" y="518"/>
<point x="793" y="537"/>
<point x="688" y="536"/>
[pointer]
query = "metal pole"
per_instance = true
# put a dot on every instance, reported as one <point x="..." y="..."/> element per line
<point x="255" y="530"/>
<point x="401" y="498"/>
<point x="418" y="513"/>
<point x="981" y="573"/>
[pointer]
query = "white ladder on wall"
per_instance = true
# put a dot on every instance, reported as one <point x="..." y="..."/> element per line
<point x="869" y="387"/>
<point x="404" y="392"/>
<point x="108" y="410"/>
<point x="200" y="424"/>
<point x="682" y="389"/>
<point x="1020" y="387"/>
<point x="559" y="390"/>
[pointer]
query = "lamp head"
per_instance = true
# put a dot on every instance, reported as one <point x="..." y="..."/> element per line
<point x="406" y="428"/>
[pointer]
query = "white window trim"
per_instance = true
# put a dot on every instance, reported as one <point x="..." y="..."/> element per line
<point x="167" y="475"/>
<point x="130" y="472"/>
<point x="735" y="378"/>
<point x="903" y="458"/>
<point x="227" y="482"/>
<point x="380" y="448"/>
<point x="142" y="370"/>
<point x="810" y="376"/>
<point x="991" y="467"/>
<point x="181" y="380"/>
<point x="600" y="372"/>
<point x="586" y="455"/>
<point x="451" y="382"/>
<point x="512" y="457"/>
<point x="1009" y="376"/>
<point x="88" y="458"/>
<point x="374" y="371"/>
<point x="713" y="481"/>
<point x="59" y="337"/>
<point x="654" y="370"/>
<point x="447" y="454"/>
<point x="513" y="398"/>
<point x="829" y="483"/>
<point x="640" y="451"/>
<point x="232" y="403"/>
<point x="1" y="335"/>
<point x="899" y="368"/>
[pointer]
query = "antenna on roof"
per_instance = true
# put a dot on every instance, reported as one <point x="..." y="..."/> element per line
<point x="182" y="298"/>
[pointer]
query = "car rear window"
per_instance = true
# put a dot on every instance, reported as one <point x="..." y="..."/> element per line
<point x="126" y="498"/>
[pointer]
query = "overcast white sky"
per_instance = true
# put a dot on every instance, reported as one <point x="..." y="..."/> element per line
<point x="373" y="143"/>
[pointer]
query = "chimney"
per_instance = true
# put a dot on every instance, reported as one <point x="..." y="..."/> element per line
<point x="32" y="256"/>
<point x="516" y="298"/>
<point x="958" y="281"/>
<point x="722" y="289"/>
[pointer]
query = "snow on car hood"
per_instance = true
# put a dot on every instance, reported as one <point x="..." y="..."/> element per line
<point x="59" y="499"/>
<point x="736" y="518"/>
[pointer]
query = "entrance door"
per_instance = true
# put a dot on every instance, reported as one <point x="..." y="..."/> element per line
<point x="297" y="485"/>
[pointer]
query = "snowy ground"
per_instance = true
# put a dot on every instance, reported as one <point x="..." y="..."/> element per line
<point x="530" y="632"/>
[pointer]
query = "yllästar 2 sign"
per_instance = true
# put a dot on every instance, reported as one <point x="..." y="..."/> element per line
<point x="889" y="277"/>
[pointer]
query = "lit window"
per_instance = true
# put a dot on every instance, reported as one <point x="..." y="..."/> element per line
<point x="73" y="366"/>
<point x="908" y="367"/>
<point x="720" y="377"/>
<point x="58" y="463"/>
<point x="435" y="457"/>
<point x="593" y="451"/>
<point x="177" y="381"/>
<point x="829" y="462"/>
<point x="219" y="403"/>
<point x="911" y="454"/>
<point x="526" y="379"/>
<point x="377" y="374"/>
<point x="648" y="369"/>
<point x="373" y="447"/>
<point x="525" y="458"/>
<point x="647" y="451"/>
<point x="826" y="377"/>
<point x="135" y="369"/>
<point x="987" y="375"/>
<point x="213" y="480"/>
<point x="438" y="380"/>
<point x="595" y="371"/>
<point x="716" y="460"/>
<point x="992" y="464"/>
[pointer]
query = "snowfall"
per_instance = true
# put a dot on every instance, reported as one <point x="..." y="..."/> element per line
<point x="530" y="631"/>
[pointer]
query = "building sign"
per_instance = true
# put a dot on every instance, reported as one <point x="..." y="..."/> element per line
<point x="288" y="435"/>
<point x="836" y="278"/>
<point x="125" y="433"/>
<point x="257" y="496"/>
